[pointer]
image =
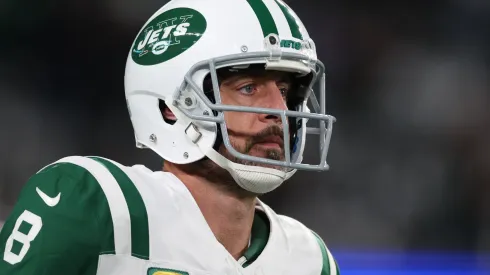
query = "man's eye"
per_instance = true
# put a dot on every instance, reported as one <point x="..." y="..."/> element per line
<point x="284" y="91"/>
<point x="248" y="89"/>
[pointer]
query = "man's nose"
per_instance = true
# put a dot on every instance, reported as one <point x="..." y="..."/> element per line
<point x="273" y="100"/>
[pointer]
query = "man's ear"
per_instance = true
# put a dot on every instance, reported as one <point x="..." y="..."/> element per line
<point x="167" y="114"/>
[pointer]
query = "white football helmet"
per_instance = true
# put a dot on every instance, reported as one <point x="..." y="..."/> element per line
<point x="188" y="40"/>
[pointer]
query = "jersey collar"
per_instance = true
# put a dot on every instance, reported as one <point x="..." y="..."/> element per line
<point x="260" y="237"/>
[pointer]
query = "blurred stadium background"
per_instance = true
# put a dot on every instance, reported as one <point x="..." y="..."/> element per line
<point x="409" y="186"/>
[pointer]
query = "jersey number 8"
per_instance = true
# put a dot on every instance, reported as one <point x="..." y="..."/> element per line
<point x="25" y="239"/>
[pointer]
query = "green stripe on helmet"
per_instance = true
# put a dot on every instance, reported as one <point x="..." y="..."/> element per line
<point x="293" y="24"/>
<point x="265" y="17"/>
<point x="140" y="236"/>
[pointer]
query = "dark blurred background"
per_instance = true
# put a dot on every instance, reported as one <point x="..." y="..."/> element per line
<point x="409" y="84"/>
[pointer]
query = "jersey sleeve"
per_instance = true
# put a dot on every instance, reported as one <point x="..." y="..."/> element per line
<point x="330" y="266"/>
<point x="59" y="225"/>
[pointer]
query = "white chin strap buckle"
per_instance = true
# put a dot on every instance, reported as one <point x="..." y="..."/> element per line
<point x="193" y="133"/>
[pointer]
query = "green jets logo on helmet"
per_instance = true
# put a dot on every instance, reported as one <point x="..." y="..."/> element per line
<point x="291" y="44"/>
<point x="168" y="35"/>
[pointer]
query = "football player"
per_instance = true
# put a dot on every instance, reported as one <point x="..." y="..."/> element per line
<point x="219" y="89"/>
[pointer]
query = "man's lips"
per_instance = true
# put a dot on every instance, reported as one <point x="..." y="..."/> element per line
<point x="272" y="142"/>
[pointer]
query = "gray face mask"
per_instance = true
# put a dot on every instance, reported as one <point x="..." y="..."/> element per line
<point x="295" y="118"/>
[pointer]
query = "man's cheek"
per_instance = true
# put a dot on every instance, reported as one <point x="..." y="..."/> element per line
<point x="240" y="122"/>
<point x="236" y="143"/>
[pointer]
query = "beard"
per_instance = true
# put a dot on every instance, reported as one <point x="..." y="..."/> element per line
<point x="269" y="153"/>
<point x="211" y="171"/>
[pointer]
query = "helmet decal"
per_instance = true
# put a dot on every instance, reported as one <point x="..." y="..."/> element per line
<point x="168" y="35"/>
<point x="286" y="43"/>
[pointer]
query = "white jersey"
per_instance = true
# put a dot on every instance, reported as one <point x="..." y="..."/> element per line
<point x="156" y="228"/>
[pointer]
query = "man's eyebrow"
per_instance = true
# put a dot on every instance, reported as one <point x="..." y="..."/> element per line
<point x="232" y="79"/>
<point x="285" y="79"/>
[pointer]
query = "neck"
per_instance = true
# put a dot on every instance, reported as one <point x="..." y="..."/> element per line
<point x="229" y="214"/>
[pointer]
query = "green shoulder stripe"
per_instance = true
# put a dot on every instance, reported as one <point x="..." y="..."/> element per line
<point x="330" y="266"/>
<point x="86" y="193"/>
<point x="59" y="225"/>
<point x="337" y="267"/>
<point x="140" y="239"/>
<point x="264" y="16"/>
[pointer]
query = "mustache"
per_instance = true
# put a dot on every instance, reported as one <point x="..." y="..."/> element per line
<point x="273" y="131"/>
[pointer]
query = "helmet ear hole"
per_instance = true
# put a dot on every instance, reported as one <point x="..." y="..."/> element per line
<point x="207" y="87"/>
<point x="169" y="118"/>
